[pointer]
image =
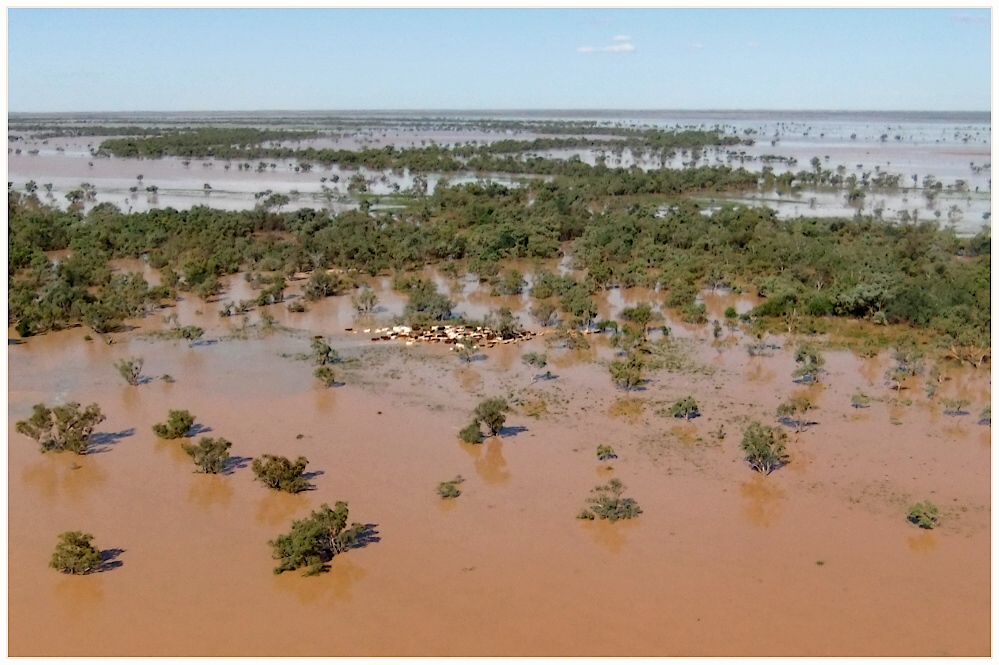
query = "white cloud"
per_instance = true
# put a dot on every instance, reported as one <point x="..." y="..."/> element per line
<point x="622" y="38"/>
<point x="615" y="48"/>
<point x="697" y="46"/>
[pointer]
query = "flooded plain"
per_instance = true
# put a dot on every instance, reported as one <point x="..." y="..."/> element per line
<point x="815" y="559"/>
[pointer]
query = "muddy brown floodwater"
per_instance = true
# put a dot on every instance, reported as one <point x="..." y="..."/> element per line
<point x="816" y="559"/>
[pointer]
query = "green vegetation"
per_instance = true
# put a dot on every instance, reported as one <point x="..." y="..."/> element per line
<point x="605" y="452"/>
<point x="130" y="370"/>
<point x="793" y="411"/>
<point x="859" y="400"/>
<point x="607" y="503"/>
<point x="62" y="427"/>
<point x="685" y="408"/>
<point x="75" y="554"/>
<point x="955" y="407"/>
<point x="325" y="375"/>
<point x="322" y="352"/>
<point x="466" y="348"/>
<point x="809" y="361"/>
<point x="627" y="373"/>
<point x="365" y="301"/>
<point x="534" y="359"/>
<point x="764" y="447"/>
<point x="177" y="425"/>
<point x="280" y="473"/>
<point x="492" y="413"/>
<point x="925" y="515"/>
<point x="315" y="540"/>
<point x="210" y="454"/>
<point x="449" y="489"/>
<point x="471" y="433"/>
<point x="985" y="417"/>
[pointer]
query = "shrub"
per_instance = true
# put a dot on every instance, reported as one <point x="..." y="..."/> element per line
<point x="449" y="489"/>
<point x="326" y="375"/>
<point x="809" y="361"/>
<point x="492" y="413"/>
<point x="859" y="400"/>
<point x="62" y="427"/>
<point x="322" y="352"/>
<point x="607" y="503"/>
<point x="605" y="452"/>
<point x="471" y="433"/>
<point x="466" y="348"/>
<point x="730" y="313"/>
<point x="75" y="554"/>
<point x="545" y="313"/>
<point x="534" y="359"/>
<point x="365" y="301"/>
<point x="130" y="370"/>
<point x="210" y="454"/>
<point x="955" y="407"/>
<point x="627" y="374"/>
<point x="764" y="447"/>
<point x="924" y="515"/>
<point x="685" y="408"/>
<point x="177" y="425"/>
<point x="793" y="411"/>
<point x="322" y="284"/>
<point x="985" y="417"/>
<point x="503" y="323"/>
<point x="315" y="540"/>
<point x="282" y="474"/>
<point x="297" y="306"/>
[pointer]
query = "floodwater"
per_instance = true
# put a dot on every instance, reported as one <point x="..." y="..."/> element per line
<point x="947" y="148"/>
<point x="815" y="559"/>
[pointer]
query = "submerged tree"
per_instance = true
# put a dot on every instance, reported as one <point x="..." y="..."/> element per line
<point x="471" y="433"/>
<point x="764" y="447"/>
<point x="925" y="515"/>
<point x="322" y="352"/>
<point x="280" y="473"/>
<point x="793" y="411"/>
<point x="316" y="539"/>
<point x="365" y="301"/>
<point x="177" y="425"/>
<point x="492" y="413"/>
<point x="210" y="454"/>
<point x="326" y="375"/>
<point x="627" y="373"/>
<point x="449" y="489"/>
<point x="685" y="408"/>
<point x="62" y="427"/>
<point x="809" y="361"/>
<point x="130" y="370"/>
<point x="605" y="452"/>
<point x="607" y="503"/>
<point x="75" y="554"/>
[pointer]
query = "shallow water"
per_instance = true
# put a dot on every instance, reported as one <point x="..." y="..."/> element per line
<point x="505" y="569"/>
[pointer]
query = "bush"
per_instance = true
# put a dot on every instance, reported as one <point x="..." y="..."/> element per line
<point x="449" y="489"/>
<point x="534" y="359"/>
<point x="764" y="447"/>
<point x="955" y="407"/>
<point x="545" y="313"/>
<point x="492" y="413"/>
<point x="466" y="348"/>
<point x="924" y="515"/>
<point x="322" y="352"/>
<point x="793" y="411"/>
<point x="322" y="284"/>
<point x="177" y="425"/>
<point x="809" y="361"/>
<point x="326" y="375"/>
<point x="503" y="323"/>
<point x="685" y="408"/>
<point x="471" y="433"/>
<point x="605" y="452"/>
<point x="74" y="554"/>
<point x="627" y="374"/>
<point x="859" y="400"/>
<point x="210" y="454"/>
<point x="282" y="474"/>
<point x="130" y="370"/>
<point x="315" y="540"/>
<point x="62" y="427"/>
<point x="365" y="301"/>
<point x="607" y="503"/>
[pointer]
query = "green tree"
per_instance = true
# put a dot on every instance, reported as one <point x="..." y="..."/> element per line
<point x="534" y="359"/>
<point x="627" y="373"/>
<point x="605" y="452"/>
<point x="471" y="433"/>
<point x="326" y="375"/>
<point x="365" y="301"/>
<point x="466" y="348"/>
<point x="322" y="352"/>
<point x="492" y="413"/>
<point x="764" y="447"/>
<point x="685" y="408"/>
<point x="130" y="370"/>
<point x="315" y="540"/>
<point x="545" y="313"/>
<point x="75" y="554"/>
<point x="809" y="361"/>
<point x="177" y="425"/>
<point x="607" y="503"/>
<point x="210" y="454"/>
<point x="793" y="411"/>
<point x="62" y="427"/>
<point x="282" y="474"/>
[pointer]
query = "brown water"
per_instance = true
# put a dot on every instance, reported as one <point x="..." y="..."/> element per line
<point x="721" y="562"/>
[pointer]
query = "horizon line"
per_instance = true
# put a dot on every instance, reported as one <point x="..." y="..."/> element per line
<point x="502" y="110"/>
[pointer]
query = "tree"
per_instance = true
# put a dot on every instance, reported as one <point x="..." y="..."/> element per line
<point x="365" y="301"/>
<point x="764" y="447"/>
<point x="627" y="373"/>
<point x="75" y="554"/>
<point x="326" y="375"/>
<point x="466" y="348"/>
<point x="322" y="352"/>
<point x="641" y="315"/>
<point x="607" y="503"/>
<point x="859" y="400"/>
<point x="177" y="425"/>
<point x="62" y="427"/>
<point x="449" y="489"/>
<point x="793" y="411"/>
<point x="282" y="474"/>
<point x="130" y="370"/>
<point x="534" y="359"/>
<point x="809" y="362"/>
<point x="924" y="515"/>
<point x="685" y="408"/>
<point x="210" y="454"/>
<point x="545" y="313"/>
<point x="315" y="540"/>
<point x="323" y="284"/>
<point x="955" y="407"/>
<point x="605" y="452"/>
<point x="503" y="323"/>
<point x="471" y="433"/>
<point x="492" y="413"/>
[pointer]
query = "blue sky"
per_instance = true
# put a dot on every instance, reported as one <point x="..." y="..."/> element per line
<point x="318" y="59"/>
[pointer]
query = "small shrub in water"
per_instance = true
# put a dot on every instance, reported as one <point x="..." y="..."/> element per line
<point x="492" y="413"/>
<point x="764" y="447"/>
<point x="605" y="452"/>
<point x="685" y="408"/>
<point x="326" y="375"/>
<point x="316" y="539"/>
<point x="75" y="554"/>
<point x="471" y="433"/>
<point x="177" y="425"/>
<point x="607" y="503"/>
<point x="281" y="474"/>
<point x="130" y="370"/>
<point x="924" y="515"/>
<point x="449" y="489"/>
<point x="210" y="454"/>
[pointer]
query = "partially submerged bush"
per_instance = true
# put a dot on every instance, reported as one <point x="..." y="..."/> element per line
<point x="924" y="515"/>
<point x="75" y="554"/>
<point x="130" y="370"/>
<point x="177" y="425"/>
<point x="793" y="411"/>
<point x="210" y="454"/>
<point x="607" y="503"/>
<point x="449" y="489"/>
<point x="316" y="539"/>
<point x="62" y="427"/>
<point x="985" y="417"/>
<point x="809" y="362"/>
<point x="466" y="348"/>
<point x="859" y="400"/>
<point x="471" y="433"/>
<point x="605" y="452"/>
<point x="534" y="359"/>
<point x="764" y="447"/>
<point x="282" y="474"/>
<point x="322" y="352"/>
<point x="627" y="373"/>
<point x="492" y="413"/>
<point x="326" y="375"/>
<point x="365" y="300"/>
<point x="955" y="407"/>
<point x="685" y="408"/>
